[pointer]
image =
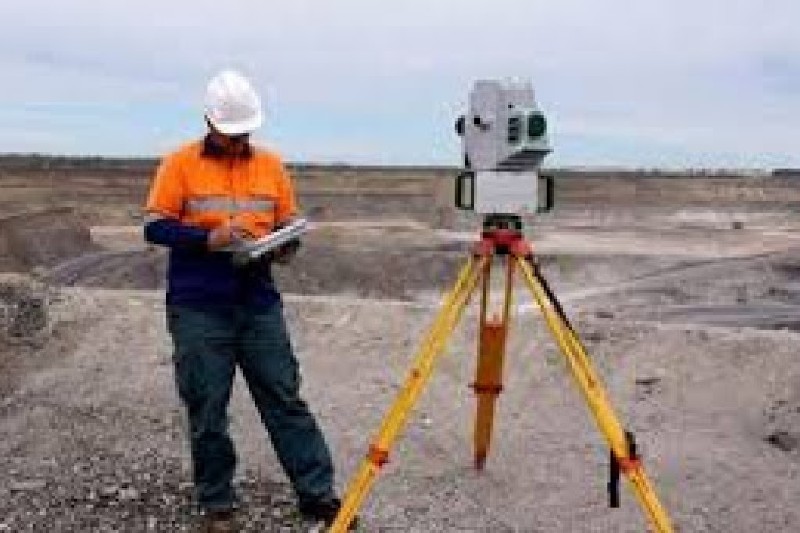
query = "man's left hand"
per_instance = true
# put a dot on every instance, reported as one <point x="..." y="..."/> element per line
<point x="285" y="253"/>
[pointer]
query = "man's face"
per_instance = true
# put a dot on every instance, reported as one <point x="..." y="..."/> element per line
<point x="234" y="144"/>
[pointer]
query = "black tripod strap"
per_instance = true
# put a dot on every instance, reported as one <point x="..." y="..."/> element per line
<point x="550" y="295"/>
<point x="614" y="470"/>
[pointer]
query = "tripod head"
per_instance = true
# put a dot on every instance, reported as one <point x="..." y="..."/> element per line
<point x="501" y="234"/>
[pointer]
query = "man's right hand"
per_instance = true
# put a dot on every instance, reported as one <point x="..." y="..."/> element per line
<point x="225" y="235"/>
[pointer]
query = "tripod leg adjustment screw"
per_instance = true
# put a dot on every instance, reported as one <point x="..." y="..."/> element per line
<point x="378" y="456"/>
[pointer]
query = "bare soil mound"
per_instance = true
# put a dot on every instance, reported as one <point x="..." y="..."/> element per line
<point x="318" y="269"/>
<point x="25" y="324"/>
<point x="388" y="274"/>
<point x="41" y="238"/>
<point x="23" y="310"/>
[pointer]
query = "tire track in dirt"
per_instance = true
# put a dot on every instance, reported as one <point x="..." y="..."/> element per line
<point x="112" y="269"/>
<point x="673" y="273"/>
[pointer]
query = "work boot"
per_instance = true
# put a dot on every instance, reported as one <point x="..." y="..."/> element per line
<point x="218" y="522"/>
<point x="324" y="511"/>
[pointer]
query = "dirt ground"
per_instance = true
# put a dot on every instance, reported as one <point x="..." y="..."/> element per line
<point x="692" y="321"/>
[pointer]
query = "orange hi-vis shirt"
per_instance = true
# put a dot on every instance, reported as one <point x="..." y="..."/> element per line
<point x="206" y="192"/>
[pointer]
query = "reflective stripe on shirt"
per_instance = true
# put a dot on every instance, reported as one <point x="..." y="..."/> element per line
<point x="216" y="204"/>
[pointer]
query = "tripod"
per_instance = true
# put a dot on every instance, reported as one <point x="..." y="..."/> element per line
<point x="502" y="236"/>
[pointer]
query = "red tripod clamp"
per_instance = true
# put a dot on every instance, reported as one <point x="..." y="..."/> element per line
<point x="502" y="241"/>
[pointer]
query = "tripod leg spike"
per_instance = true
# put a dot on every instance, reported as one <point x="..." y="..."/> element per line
<point x="580" y="366"/>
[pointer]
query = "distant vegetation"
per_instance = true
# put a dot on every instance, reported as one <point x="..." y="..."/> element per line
<point x="38" y="162"/>
<point x="41" y="162"/>
<point x="786" y="172"/>
<point x="52" y="162"/>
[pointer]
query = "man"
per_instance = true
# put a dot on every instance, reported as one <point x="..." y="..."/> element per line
<point x="205" y="197"/>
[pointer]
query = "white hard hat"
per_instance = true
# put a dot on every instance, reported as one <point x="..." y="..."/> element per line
<point x="232" y="105"/>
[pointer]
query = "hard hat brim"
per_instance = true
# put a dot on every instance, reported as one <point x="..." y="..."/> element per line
<point x="239" y="127"/>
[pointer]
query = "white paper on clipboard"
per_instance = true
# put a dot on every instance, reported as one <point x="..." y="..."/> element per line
<point x="254" y="249"/>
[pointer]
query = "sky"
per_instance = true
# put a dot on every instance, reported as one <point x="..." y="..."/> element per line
<point x="647" y="83"/>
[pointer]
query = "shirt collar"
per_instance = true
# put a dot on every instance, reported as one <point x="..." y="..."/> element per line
<point x="214" y="151"/>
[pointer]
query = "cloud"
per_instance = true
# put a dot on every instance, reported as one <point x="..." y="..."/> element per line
<point x="710" y="82"/>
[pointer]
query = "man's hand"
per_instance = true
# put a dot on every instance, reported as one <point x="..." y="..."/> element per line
<point x="225" y="235"/>
<point x="285" y="253"/>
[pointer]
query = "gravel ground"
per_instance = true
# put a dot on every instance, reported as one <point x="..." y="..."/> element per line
<point x="93" y="434"/>
<point x="78" y="492"/>
<point x="94" y="444"/>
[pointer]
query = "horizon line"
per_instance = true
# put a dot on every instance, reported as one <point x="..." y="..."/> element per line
<point x="149" y="159"/>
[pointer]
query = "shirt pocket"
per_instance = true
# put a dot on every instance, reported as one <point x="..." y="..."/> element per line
<point x="208" y="210"/>
<point x="256" y="213"/>
<point x="208" y="202"/>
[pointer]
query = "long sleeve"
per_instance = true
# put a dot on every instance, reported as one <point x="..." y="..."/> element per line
<point x="164" y="206"/>
<point x="173" y="234"/>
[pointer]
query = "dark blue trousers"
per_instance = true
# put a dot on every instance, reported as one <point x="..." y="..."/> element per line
<point x="209" y="344"/>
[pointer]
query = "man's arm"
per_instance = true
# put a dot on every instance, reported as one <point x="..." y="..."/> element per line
<point x="175" y="234"/>
<point x="164" y="207"/>
<point x="172" y="233"/>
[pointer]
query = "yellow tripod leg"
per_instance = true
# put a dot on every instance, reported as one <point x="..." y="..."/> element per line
<point x="421" y="370"/>
<point x="594" y="394"/>
<point x="491" y="354"/>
